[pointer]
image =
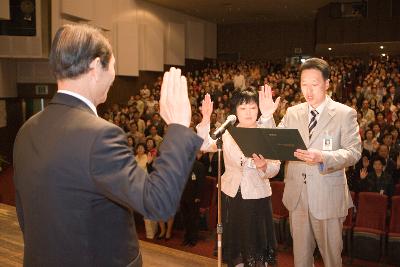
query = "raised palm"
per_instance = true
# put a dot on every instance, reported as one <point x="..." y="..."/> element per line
<point x="266" y="103"/>
<point x="206" y="108"/>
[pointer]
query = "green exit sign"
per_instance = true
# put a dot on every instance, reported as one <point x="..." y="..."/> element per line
<point x="41" y="89"/>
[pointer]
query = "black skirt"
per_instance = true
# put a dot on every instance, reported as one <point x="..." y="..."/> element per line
<point x="248" y="230"/>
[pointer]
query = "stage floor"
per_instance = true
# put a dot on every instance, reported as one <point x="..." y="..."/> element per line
<point x="11" y="247"/>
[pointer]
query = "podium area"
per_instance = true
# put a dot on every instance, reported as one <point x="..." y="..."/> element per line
<point x="11" y="247"/>
<point x="154" y="255"/>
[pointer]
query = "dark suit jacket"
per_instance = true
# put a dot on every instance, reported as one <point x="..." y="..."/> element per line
<point x="194" y="186"/>
<point x="212" y="166"/>
<point x="77" y="183"/>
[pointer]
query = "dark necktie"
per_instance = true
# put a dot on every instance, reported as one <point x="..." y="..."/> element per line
<point x="313" y="122"/>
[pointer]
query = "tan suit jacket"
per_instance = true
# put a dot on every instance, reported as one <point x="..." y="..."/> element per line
<point x="328" y="193"/>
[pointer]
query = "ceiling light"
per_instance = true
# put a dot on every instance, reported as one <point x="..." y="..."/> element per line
<point x="381" y="47"/>
<point x="383" y="55"/>
<point x="329" y="48"/>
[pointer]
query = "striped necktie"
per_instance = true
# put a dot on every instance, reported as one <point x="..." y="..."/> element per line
<point x="313" y="122"/>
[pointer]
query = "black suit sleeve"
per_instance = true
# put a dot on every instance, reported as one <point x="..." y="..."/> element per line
<point x="156" y="195"/>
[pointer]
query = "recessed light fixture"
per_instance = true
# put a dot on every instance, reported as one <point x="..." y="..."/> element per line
<point x="383" y="55"/>
<point x="381" y="47"/>
<point x="329" y="48"/>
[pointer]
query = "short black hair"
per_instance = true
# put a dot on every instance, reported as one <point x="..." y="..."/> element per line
<point x="387" y="135"/>
<point x="366" y="153"/>
<point x="317" y="64"/>
<point x="379" y="158"/>
<point x="246" y="96"/>
<point x="73" y="49"/>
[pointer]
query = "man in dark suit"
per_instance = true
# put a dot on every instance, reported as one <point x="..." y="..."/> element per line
<point x="77" y="182"/>
<point x="190" y="202"/>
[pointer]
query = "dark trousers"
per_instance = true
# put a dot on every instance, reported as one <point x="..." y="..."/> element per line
<point x="191" y="219"/>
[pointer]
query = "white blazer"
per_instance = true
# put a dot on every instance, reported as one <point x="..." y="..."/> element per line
<point x="239" y="170"/>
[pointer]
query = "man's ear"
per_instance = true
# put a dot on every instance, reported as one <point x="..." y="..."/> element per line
<point x="95" y="67"/>
<point x="327" y="84"/>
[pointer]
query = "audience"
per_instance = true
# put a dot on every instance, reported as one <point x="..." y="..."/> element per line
<point x="371" y="87"/>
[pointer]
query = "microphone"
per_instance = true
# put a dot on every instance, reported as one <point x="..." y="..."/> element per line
<point x="230" y="120"/>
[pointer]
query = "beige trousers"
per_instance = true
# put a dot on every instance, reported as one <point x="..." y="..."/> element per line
<point x="307" y="231"/>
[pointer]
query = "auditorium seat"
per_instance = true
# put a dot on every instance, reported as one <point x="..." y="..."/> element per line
<point x="397" y="190"/>
<point x="348" y="227"/>
<point x="280" y="213"/>
<point x="393" y="247"/>
<point x="369" y="230"/>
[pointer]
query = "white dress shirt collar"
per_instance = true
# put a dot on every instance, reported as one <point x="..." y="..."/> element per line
<point x="84" y="99"/>
<point x="319" y="109"/>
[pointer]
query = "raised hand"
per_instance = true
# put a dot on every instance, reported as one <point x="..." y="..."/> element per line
<point x="363" y="173"/>
<point x="206" y="109"/>
<point x="266" y="103"/>
<point x="174" y="100"/>
<point x="149" y="158"/>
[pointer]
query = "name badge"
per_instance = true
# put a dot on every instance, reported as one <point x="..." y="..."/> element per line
<point x="327" y="144"/>
<point x="251" y="164"/>
<point x="193" y="177"/>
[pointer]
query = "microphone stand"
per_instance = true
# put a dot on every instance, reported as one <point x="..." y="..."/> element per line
<point x="219" y="222"/>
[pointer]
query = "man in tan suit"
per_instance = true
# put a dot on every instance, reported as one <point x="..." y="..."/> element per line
<point x="316" y="192"/>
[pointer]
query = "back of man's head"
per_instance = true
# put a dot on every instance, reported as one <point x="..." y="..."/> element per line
<point x="73" y="49"/>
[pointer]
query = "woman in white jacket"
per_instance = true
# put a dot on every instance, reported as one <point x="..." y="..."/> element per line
<point x="248" y="237"/>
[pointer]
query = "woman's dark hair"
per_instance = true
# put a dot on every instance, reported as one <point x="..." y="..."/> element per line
<point x="365" y="153"/>
<point x="368" y="130"/>
<point x="149" y="138"/>
<point x="73" y="49"/>
<point x="239" y="97"/>
<point x="141" y="144"/>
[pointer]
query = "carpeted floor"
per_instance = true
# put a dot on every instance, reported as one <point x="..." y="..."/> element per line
<point x="204" y="247"/>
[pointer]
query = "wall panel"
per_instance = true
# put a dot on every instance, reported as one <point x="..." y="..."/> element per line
<point x="195" y="40"/>
<point x="82" y="9"/>
<point x="210" y="39"/>
<point x="266" y="40"/>
<point x="127" y="58"/>
<point x="102" y="14"/>
<point x="8" y="79"/>
<point x="151" y="48"/>
<point x="175" y="44"/>
<point x="4" y="9"/>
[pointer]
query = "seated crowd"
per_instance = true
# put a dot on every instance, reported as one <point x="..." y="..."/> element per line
<point x="371" y="87"/>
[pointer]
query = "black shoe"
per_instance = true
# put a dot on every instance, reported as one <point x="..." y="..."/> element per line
<point x="185" y="242"/>
<point x="168" y="238"/>
<point x="192" y="243"/>
<point x="271" y="256"/>
<point x="159" y="237"/>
